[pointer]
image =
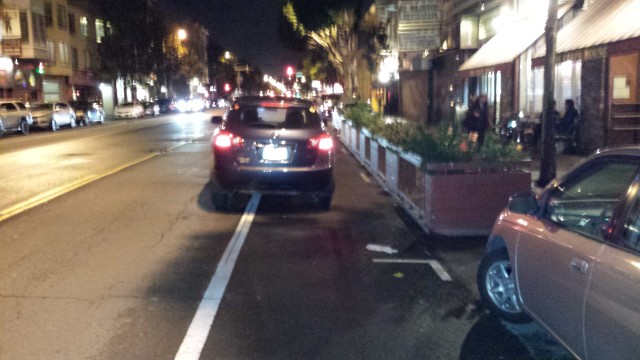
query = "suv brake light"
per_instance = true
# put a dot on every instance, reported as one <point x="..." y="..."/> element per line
<point x="225" y="139"/>
<point x="323" y="142"/>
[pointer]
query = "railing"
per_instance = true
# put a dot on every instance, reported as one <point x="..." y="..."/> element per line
<point x="397" y="171"/>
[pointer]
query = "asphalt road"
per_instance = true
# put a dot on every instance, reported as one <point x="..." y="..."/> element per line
<point x="111" y="249"/>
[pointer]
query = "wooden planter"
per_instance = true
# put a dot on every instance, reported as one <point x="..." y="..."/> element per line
<point x="466" y="199"/>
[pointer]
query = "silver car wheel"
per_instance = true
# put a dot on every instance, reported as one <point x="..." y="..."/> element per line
<point x="501" y="287"/>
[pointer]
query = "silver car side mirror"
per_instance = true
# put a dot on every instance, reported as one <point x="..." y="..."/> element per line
<point x="523" y="203"/>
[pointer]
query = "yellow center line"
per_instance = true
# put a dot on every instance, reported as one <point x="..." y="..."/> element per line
<point x="63" y="189"/>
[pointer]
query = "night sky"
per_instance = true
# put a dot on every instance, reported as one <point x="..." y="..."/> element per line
<point x="248" y="28"/>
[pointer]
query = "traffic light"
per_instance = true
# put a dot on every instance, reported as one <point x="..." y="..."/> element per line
<point x="227" y="87"/>
<point x="40" y="69"/>
<point x="289" y="71"/>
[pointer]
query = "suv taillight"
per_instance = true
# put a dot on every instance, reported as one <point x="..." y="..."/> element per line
<point x="225" y="139"/>
<point x="323" y="142"/>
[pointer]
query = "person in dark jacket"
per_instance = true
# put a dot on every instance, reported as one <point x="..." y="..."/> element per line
<point x="567" y="124"/>
<point x="477" y="119"/>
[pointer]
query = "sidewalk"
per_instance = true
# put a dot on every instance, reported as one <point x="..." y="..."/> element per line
<point x="564" y="163"/>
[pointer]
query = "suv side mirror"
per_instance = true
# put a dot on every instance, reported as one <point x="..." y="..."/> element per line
<point x="523" y="203"/>
<point x="217" y="120"/>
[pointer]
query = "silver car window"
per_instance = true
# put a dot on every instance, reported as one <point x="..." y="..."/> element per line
<point x="586" y="202"/>
<point x="630" y="234"/>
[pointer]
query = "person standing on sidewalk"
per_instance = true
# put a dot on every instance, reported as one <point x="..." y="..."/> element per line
<point x="477" y="119"/>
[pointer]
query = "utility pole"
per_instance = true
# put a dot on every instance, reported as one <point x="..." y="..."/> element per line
<point x="548" y="153"/>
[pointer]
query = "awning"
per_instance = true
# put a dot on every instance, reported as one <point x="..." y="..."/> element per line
<point x="603" y="22"/>
<point x="510" y="42"/>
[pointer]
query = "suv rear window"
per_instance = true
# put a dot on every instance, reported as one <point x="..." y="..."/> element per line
<point x="275" y="117"/>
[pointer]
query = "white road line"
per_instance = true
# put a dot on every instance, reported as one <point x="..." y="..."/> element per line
<point x="435" y="265"/>
<point x="198" y="332"/>
<point x="344" y="151"/>
<point x="365" y="178"/>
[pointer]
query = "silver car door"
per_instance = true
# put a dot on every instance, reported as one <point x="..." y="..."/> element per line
<point x="612" y="306"/>
<point x="554" y="258"/>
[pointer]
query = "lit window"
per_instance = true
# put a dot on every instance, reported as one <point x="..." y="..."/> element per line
<point x="63" y="52"/>
<point x="84" y="26"/>
<point x="99" y="30"/>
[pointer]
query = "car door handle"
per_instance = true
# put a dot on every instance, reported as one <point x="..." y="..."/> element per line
<point x="580" y="265"/>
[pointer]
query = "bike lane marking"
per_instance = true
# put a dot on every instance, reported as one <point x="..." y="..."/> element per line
<point x="435" y="265"/>
<point x="194" y="340"/>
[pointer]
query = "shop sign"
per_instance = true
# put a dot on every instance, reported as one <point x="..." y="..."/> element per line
<point x="599" y="52"/>
<point x="10" y="28"/>
<point x="12" y="47"/>
<point x="468" y="32"/>
<point x="419" y="10"/>
<point x="419" y="40"/>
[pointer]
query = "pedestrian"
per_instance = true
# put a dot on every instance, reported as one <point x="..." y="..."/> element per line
<point x="476" y="120"/>
<point x="567" y="124"/>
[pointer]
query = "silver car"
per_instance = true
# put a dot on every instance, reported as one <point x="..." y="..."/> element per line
<point x="53" y="115"/>
<point x="570" y="258"/>
<point x="14" y="117"/>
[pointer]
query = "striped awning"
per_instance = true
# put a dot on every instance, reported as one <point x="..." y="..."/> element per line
<point x="603" y="22"/>
<point x="510" y="42"/>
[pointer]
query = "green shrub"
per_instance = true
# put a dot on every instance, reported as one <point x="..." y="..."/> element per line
<point x="361" y="116"/>
<point x="447" y="144"/>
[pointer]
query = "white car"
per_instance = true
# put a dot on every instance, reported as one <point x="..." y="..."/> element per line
<point x="129" y="110"/>
<point x="53" y="115"/>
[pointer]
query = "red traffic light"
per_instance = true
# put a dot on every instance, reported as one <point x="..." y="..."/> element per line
<point x="227" y="87"/>
<point x="289" y="71"/>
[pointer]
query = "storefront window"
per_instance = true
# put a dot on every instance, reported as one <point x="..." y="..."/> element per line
<point x="567" y="86"/>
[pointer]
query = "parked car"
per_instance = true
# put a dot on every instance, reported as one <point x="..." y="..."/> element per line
<point x="273" y="145"/>
<point x="53" y="115"/>
<point x="166" y="105"/>
<point x="151" y="108"/>
<point x="14" y="117"/>
<point x="129" y="110"/>
<point x="570" y="258"/>
<point x="88" y="112"/>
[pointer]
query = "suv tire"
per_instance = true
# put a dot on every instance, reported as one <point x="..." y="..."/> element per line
<point x="24" y="127"/>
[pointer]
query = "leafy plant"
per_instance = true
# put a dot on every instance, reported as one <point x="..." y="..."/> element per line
<point x="447" y="143"/>
<point x="362" y="116"/>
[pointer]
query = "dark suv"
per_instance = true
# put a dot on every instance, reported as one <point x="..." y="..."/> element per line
<point x="272" y="145"/>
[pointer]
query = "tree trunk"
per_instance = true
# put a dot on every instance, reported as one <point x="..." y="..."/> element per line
<point x="548" y="153"/>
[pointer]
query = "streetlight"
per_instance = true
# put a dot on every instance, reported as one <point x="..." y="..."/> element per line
<point x="182" y="34"/>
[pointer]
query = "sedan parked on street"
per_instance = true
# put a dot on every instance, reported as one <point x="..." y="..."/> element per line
<point x="129" y="110"/>
<point x="88" y="112"/>
<point x="275" y="146"/>
<point x="53" y="115"/>
<point x="570" y="258"/>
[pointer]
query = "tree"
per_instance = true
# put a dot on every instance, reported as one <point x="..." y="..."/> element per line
<point x="132" y="45"/>
<point x="329" y="26"/>
<point x="548" y="154"/>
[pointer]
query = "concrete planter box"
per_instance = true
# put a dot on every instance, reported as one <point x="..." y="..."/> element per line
<point x="466" y="199"/>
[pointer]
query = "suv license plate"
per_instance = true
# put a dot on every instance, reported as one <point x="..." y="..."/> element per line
<point x="272" y="153"/>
